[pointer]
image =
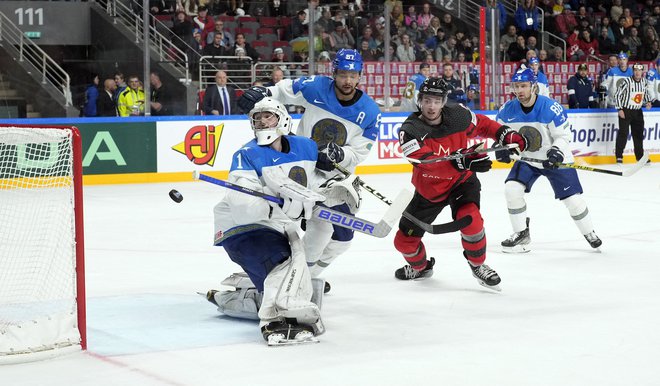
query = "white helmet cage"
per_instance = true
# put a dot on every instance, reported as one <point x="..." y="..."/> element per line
<point x="266" y="136"/>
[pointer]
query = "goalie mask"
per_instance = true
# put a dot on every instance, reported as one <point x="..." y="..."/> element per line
<point x="269" y="120"/>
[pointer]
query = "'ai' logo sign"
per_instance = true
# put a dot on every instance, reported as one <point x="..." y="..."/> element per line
<point x="201" y="144"/>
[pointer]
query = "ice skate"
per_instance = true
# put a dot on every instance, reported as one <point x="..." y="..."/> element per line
<point x="408" y="273"/>
<point x="518" y="242"/>
<point x="486" y="276"/>
<point x="285" y="334"/>
<point x="593" y="240"/>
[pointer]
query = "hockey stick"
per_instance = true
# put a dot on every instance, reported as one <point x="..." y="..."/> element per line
<point x="435" y="229"/>
<point x="344" y="220"/>
<point x="460" y="155"/>
<point x="625" y="173"/>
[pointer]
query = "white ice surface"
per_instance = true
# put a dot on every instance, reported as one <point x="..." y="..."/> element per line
<point x="567" y="314"/>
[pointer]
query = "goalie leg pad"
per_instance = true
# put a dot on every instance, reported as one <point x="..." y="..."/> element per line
<point x="243" y="303"/>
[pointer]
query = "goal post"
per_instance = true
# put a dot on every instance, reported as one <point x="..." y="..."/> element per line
<point x="42" y="270"/>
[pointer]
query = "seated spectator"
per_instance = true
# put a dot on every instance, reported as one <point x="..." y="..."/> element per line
<point x="342" y="38"/>
<point x="449" y="25"/>
<point x="182" y="28"/>
<point x="557" y="55"/>
<point x="433" y="27"/>
<point x="302" y="69"/>
<point x="324" y="57"/>
<point x="531" y="45"/>
<point x="405" y="51"/>
<point x="543" y="56"/>
<point x="587" y="44"/>
<point x="507" y="39"/>
<point x="574" y="53"/>
<point x="527" y="18"/>
<point x="216" y="47"/>
<point x="606" y="45"/>
<point x="298" y="25"/>
<point x="249" y="50"/>
<point x="227" y="39"/>
<point x="448" y="48"/>
<point x="652" y="53"/>
<point x="619" y="30"/>
<point x="434" y="41"/>
<point x="416" y="35"/>
<point x="517" y="51"/>
<point x="565" y="22"/>
<point x="161" y="7"/>
<point x="275" y="76"/>
<point x="368" y="54"/>
<point x="367" y="34"/>
<point x="278" y="57"/>
<point x="203" y="21"/>
<point x="424" y="18"/>
<point x="392" y="52"/>
<point x="326" y="21"/>
<point x="410" y="16"/>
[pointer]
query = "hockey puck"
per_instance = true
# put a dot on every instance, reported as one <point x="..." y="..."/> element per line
<point x="176" y="196"/>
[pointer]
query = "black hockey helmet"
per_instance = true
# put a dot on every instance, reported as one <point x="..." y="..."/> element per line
<point x="435" y="86"/>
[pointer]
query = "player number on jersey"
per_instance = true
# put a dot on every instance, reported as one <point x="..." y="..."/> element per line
<point x="556" y="108"/>
<point x="409" y="91"/>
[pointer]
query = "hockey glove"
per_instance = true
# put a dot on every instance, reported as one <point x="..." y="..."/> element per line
<point x="479" y="162"/>
<point x="503" y="155"/>
<point x="332" y="153"/>
<point x="555" y="157"/>
<point x="251" y="96"/>
<point x="295" y="209"/>
<point x="507" y="136"/>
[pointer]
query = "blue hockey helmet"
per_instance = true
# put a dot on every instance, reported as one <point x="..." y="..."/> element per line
<point x="347" y="59"/>
<point x="524" y="75"/>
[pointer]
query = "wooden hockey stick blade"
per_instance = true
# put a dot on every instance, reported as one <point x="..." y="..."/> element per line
<point x="460" y="155"/>
<point x="437" y="229"/>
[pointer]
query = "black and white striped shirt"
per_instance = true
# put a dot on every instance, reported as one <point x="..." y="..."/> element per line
<point x="632" y="94"/>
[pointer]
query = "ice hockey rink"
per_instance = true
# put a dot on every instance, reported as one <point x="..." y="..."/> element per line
<point x="567" y="314"/>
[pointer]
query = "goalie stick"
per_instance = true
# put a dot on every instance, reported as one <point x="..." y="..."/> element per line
<point x="625" y="173"/>
<point x="454" y="156"/>
<point x="323" y="213"/>
<point x="435" y="229"/>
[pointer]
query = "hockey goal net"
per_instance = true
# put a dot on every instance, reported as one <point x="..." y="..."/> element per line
<point x="42" y="292"/>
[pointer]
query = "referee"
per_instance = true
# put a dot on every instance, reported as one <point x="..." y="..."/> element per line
<point x="631" y="94"/>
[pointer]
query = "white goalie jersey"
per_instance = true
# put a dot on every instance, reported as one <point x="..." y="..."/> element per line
<point x="239" y="212"/>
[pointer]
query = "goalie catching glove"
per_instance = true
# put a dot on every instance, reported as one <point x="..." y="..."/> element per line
<point x="327" y="157"/>
<point x="507" y="136"/>
<point x="251" y="96"/>
<point x="478" y="162"/>
<point x="339" y="190"/>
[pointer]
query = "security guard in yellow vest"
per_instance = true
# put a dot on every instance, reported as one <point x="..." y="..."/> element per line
<point x="131" y="100"/>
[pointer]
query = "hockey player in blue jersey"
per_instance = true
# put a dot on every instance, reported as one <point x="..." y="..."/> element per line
<point x="541" y="80"/>
<point x="411" y="92"/>
<point x="614" y="76"/>
<point x="653" y="78"/>
<point x="262" y="237"/>
<point x="344" y="122"/>
<point x="543" y="122"/>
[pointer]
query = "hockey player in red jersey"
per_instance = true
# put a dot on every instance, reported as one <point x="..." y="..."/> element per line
<point x="435" y="131"/>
